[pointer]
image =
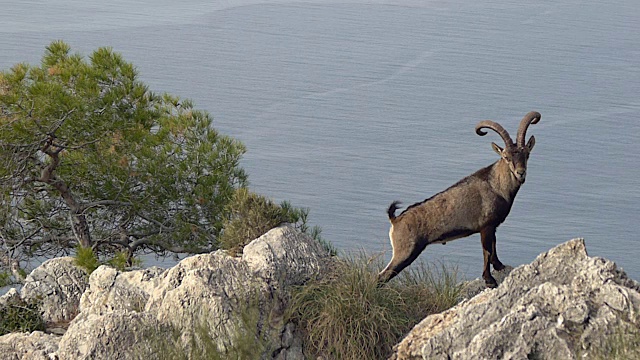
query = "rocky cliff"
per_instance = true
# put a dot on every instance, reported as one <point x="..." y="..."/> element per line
<point x="137" y="314"/>
<point x="563" y="305"/>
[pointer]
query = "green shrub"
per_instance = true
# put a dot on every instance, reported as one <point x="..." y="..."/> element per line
<point x="120" y="261"/>
<point x="12" y="278"/>
<point x="87" y="259"/>
<point x="251" y="215"/>
<point x="349" y="316"/>
<point x="5" y="279"/>
<point x="21" y="318"/>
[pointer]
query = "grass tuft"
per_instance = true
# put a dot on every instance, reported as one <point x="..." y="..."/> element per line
<point x="86" y="259"/>
<point x="348" y="316"/>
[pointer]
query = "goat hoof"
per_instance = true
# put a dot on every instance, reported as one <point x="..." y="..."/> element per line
<point x="491" y="283"/>
<point x="498" y="266"/>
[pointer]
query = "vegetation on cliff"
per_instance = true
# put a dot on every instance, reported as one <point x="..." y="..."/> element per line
<point x="91" y="158"/>
<point x="348" y="315"/>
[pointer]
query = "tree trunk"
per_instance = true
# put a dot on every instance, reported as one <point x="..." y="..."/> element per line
<point x="76" y="210"/>
<point x="81" y="229"/>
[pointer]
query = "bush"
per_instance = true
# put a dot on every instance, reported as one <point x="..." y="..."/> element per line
<point x="349" y="316"/>
<point x="251" y="215"/>
<point x="21" y="318"/>
<point x="122" y="260"/>
<point x="5" y="279"/>
<point x="87" y="259"/>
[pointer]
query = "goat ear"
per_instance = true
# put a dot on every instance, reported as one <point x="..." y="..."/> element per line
<point x="531" y="142"/>
<point x="496" y="148"/>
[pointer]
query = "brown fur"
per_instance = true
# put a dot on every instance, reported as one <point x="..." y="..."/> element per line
<point x="479" y="203"/>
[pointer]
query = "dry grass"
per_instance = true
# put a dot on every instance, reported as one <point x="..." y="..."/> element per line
<point x="348" y="316"/>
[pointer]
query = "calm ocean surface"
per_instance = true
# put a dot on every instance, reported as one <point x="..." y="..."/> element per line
<point x="346" y="106"/>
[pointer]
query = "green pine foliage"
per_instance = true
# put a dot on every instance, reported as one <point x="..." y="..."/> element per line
<point x="21" y="318"/>
<point x="5" y="279"/>
<point x="90" y="156"/>
<point x="250" y="215"/>
<point x="122" y="261"/>
<point x="87" y="259"/>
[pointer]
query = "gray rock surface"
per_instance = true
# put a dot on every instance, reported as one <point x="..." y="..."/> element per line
<point x="12" y="297"/>
<point x="561" y="304"/>
<point x="291" y="345"/>
<point x="114" y="335"/>
<point x="125" y="311"/>
<point x="112" y="290"/>
<point x="58" y="284"/>
<point x="205" y="291"/>
<point x="283" y="257"/>
<point x="34" y="346"/>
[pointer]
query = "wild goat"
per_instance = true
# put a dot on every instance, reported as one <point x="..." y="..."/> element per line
<point x="478" y="203"/>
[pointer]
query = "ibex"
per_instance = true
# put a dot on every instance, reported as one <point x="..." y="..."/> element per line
<point x="478" y="203"/>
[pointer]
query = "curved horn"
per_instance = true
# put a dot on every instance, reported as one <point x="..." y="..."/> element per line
<point x="488" y="124"/>
<point x="532" y="117"/>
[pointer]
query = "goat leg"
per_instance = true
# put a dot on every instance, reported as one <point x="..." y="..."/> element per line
<point x="497" y="264"/>
<point x="404" y="253"/>
<point x="488" y="239"/>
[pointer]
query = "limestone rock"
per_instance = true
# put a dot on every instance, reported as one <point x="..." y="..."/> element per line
<point x="476" y="286"/>
<point x="123" y="314"/>
<point x="12" y="297"/>
<point x="213" y="290"/>
<point x="291" y="346"/>
<point x="205" y="291"/>
<point x="111" y="290"/>
<point x="562" y="303"/>
<point x="115" y="335"/>
<point x="285" y="257"/>
<point x="34" y="346"/>
<point x="58" y="283"/>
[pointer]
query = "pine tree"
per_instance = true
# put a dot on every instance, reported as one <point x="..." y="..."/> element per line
<point x="90" y="157"/>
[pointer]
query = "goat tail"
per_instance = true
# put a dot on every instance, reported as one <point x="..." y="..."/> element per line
<point x="392" y="210"/>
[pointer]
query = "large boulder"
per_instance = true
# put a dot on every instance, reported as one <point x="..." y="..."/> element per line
<point x="112" y="290"/>
<point x="212" y="296"/>
<point x="114" y="335"/>
<point x="562" y="304"/>
<point x="34" y="346"/>
<point x="57" y="285"/>
<point x="284" y="257"/>
<point x="207" y="291"/>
